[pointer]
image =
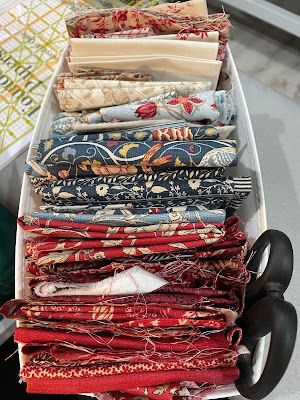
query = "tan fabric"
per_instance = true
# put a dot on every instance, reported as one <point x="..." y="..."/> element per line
<point x="92" y="48"/>
<point x="190" y="8"/>
<point x="77" y="83"/>
<point x="164" y="68"/>
<point x="89" y="99"/>
<point x="212" y="36"/>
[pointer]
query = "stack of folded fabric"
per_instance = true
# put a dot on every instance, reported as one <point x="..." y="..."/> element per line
<point x="134" y="262"/>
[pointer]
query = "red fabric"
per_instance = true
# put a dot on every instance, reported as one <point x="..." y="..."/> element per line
<point x="34" y="246"/>
<point x="226" y="339"/>
<point x="119" y="252"/>
<point x="216" y="376"/>
<point x="81" y="230"/>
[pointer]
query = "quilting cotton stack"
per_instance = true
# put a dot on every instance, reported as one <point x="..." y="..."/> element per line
<point x="135" y="261"/>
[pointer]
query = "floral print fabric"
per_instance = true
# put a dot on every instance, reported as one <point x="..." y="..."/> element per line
<point x="93" y="98"/>
<point x="92" y="191"/>
<point x="132" y="176"/>
<point x="69" y="159"/>
<point x="106" y="21"/>
<point x="215" y="107"/>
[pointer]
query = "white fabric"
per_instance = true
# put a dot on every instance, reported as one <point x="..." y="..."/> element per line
<point x="133" y="281"/>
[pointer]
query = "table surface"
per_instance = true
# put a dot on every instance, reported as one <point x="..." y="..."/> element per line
<point x="276" y="120"/>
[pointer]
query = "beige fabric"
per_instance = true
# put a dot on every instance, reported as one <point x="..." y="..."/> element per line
<point x="190" y="8"/>
<point x="164" y="68"/>
<point x="102" y="126"/>
<point x="89" y="47"/>
<point x="77" y="83"/>
<point x="212" y="36"/>
<point x="89" y="99"/>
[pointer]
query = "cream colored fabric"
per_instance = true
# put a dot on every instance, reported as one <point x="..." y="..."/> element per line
<point x="90" y="48"/>
<point x="77" y="83"/>
<point x="89" y="99"/>
<point x="165" y="68"/>
<point x="190" y="8"/>
<point x="212" y="36"/>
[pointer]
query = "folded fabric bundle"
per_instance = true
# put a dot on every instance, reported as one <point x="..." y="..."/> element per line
<point x="135" y="176"/>
<point x="213" y="107"/>
<point x="104" y="74"/>
<point x="188" y="8"/>
<point x="44" y="258"/>
<point x="164" y="133"/>
<point x="221" y="288"/>
<point x="141" y="240"/>
<point x="83" y="83"/>
<point x="107" y="314"/>
<point x="77" y="230"/>
<point x="63" y="356"/>
<point x="175" y="390"/>
<point x="130" y="34"/>
<point x="88" y="23"/>
<point x="95" y="190"/>
<point x="159" y="67"/>
<point x="227" y="339"/>
<point x="84" y="123"/>
<point x="76" y="122"/>
<point x="197" y="35"/>
<point x="52" y="380"/>
<point x="68" y="160"/>
<point x="91" y="49"/>
<point x="92" y="98"/>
